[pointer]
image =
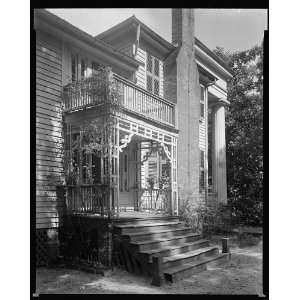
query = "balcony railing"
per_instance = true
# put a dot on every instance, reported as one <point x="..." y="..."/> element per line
<point x="132" y="97"/>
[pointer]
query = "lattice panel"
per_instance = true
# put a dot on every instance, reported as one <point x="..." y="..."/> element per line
<point x="41" y="247"/>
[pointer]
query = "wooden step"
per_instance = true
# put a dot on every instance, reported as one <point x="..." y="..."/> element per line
<point x="173" y="274"/>
<point x="150" y="227"/>
<point x="190" y="256"/>
<point x="147" y="236"/>
<point x="148" y="220"/>
<point x="172" y="250"/>
<point x="158" y="243"/>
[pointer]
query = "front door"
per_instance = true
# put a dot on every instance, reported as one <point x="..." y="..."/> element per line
<point x="127" y="184"/>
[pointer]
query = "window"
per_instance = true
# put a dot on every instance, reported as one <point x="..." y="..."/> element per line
<point x="202" y="171"/>
<point x="202" y="101"/>
<point x="152" y="74"/>
<point x="74" y="68"/>
<point x="83" y="68"/>
<point x="79" y="67"/>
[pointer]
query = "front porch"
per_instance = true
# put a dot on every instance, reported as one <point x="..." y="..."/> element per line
<point x="141" y="176"/>
<point x="120" y="148"/>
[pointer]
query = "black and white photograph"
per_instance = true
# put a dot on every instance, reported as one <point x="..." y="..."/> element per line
<point x="149" y="151"/>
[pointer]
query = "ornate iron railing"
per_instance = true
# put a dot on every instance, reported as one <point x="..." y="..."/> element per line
<point x="93" y="91"/>
<point x="158" y="200"/>
<point x="88" y="198"/>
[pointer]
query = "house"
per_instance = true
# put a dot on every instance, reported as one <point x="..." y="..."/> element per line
<point x="165" y="144"/>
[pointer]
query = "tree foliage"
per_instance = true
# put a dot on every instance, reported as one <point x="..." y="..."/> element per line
<point x="244" y="133"/>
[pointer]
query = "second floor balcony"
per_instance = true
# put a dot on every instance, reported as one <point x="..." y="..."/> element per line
<point x="91" y="92"/>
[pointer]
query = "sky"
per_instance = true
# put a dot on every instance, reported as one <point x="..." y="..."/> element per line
<point x="232" y="29"/>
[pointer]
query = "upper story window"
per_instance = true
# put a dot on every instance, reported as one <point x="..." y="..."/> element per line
<point x="78" y="68"/>
<point x="202" y="101"/>
<point x="152" y="73"/>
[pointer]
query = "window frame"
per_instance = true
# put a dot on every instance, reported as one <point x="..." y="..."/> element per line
<point x="151" y="74"/>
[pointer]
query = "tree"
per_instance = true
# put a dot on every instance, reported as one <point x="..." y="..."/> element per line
<point x="244" y="133"/>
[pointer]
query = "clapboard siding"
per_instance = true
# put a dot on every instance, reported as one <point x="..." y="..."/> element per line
<point x="47" y="89"/>
<point x="40" y="118"/>
<point x="49" y="139"/>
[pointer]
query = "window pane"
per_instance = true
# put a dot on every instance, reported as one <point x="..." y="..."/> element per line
<point x="202" y="110"/>
<point x="149" y="83"/>
<point x="83" y="68"/>
<point x="149" y="63"/>
<point x="201" y="93"/>
<point x="156" y="87"/>
<point x="156" y="67"/>
<point x="73" y="68"/>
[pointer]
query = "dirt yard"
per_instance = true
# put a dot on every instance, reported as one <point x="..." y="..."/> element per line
<point x="241" y="275"/>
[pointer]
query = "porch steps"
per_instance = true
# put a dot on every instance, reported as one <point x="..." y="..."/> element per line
<point x="172" y="250"/>
<point x="173" y="274"/>
<point x="157" y="234"/>
<point x="149" y="227"/>
<point x="180" y="251"/>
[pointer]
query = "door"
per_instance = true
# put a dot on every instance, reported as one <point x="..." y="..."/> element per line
<point x="127" y="184"/>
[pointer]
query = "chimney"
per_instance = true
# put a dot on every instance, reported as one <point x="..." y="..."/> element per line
<point x="183" y="27"/>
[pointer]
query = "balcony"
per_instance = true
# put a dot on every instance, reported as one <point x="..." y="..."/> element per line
<point x="92" y="92"/>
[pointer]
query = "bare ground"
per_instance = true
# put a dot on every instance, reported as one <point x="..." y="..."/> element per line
<point x="241" y="275"/>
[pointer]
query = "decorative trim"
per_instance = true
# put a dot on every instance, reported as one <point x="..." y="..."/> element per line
<point x="168" y="153"/>
<point x="126" y="140"/>
<point x="146" y="132"/>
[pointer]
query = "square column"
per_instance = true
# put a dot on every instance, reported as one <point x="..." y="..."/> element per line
<point x="219" y="153"/>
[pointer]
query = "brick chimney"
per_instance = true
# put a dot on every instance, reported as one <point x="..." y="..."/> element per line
<point x="183" y="26"/>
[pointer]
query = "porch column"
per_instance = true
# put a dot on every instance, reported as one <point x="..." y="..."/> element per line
<point x="219" y="153"/>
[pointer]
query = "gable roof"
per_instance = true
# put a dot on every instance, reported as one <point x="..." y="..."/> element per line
<point x="132" y="23"/>
<point x="46" y="19"/>
<point x="213" y="55"/>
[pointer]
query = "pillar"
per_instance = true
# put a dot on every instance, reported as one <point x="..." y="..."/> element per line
<point x="219" y="153"/>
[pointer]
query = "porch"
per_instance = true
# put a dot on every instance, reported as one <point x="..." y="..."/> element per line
<point x="141" y="182"/>
<point x="120" y="148"/>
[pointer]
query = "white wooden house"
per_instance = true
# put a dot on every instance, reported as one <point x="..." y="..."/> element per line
<point x="172" y="123"/>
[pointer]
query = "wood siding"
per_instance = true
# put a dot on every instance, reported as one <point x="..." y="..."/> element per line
<point x="48" y="129"/>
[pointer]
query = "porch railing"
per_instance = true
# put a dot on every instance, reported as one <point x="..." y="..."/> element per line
<point x="138" y="100"/>
<point x="88" y="198"/>
<point x="92" y="91"/>
<point x="155" y="200"/>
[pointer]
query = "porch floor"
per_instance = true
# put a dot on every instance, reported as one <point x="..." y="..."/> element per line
<point x="139" y="215"/>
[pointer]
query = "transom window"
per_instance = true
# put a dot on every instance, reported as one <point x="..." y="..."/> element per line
<point x="152" y="73"/>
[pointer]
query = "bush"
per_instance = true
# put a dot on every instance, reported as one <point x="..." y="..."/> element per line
<point x="206" y="219"/>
